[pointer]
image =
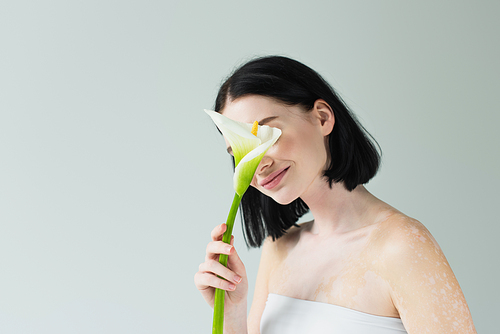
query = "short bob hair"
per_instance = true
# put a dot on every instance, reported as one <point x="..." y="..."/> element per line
<point x="354" y="159"/>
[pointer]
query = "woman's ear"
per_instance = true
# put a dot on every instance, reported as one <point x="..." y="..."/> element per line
<point x="324" y="112"/>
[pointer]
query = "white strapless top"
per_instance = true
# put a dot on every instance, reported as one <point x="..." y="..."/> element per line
<point x="287" y="315"/>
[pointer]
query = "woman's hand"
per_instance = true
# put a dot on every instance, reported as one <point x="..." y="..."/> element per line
<point x="234" y="278"/>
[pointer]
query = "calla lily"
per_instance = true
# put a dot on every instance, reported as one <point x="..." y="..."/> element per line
<point x="249" y="144"/>
<point x="248" y="149"/>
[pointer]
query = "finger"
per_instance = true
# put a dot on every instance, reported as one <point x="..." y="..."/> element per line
<point x="214" y="267"/>
<point x="234" y="262"/>
<point x="215" y="248"/>
<point x="218" y="231"/>
<point x="205" y="280"/>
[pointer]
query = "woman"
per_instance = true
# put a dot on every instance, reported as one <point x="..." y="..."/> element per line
<point x="360" y="266"/>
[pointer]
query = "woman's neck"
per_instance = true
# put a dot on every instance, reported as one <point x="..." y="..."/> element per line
<point x="337" y="210"/>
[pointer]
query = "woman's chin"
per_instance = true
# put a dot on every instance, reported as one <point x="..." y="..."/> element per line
<point x="279" y="197"/>
<point x="283" y="199"/>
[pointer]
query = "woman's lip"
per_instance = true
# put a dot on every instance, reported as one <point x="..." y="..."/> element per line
<point x="272" y="180"/>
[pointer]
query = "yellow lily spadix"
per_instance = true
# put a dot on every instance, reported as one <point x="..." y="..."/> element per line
<point x="248" y="148"/>
<point x="255" y="128"/>
<point x="249" y="143"/>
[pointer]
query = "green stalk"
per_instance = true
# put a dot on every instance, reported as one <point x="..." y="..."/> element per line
<point x="218" y="323"/>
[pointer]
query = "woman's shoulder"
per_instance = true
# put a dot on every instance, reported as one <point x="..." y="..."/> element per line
<point x="422" y="284"/>
<point x="404" y="247"/>
<point x="401" y="233"/>
<point x="278" y="248"/>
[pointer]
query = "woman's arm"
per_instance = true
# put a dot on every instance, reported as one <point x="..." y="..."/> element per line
<point x="423" y="287"/>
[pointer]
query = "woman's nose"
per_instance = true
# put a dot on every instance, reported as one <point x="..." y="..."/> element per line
<point x="265" y="163"/>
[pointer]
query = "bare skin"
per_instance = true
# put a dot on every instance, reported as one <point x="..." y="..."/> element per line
<point x="359" y="252"/>
<point x="391" y="267"/>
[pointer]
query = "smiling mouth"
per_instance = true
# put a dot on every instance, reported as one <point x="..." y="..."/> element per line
<point x="274" y="179"/>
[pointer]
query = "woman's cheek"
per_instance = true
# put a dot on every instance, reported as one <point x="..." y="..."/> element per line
<point x="254" y="182"/>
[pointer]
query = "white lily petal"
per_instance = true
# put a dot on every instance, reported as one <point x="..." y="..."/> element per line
<point x="248" y="149"/>
<point x="275" y="133"/>
<point x="244" y="172"/>
<point x="241" y="146"/>
<point x="239" y="128"/>
<point x="238" y="134"/>
<point x="266" y="133"/>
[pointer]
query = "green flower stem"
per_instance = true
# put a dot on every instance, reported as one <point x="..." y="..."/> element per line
<point x="218" y="323"/>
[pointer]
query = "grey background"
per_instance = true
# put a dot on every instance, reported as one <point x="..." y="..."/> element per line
<point x="112" y="176"/>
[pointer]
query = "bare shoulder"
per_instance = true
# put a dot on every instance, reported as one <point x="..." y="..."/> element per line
<point x="273" y="252"/>
<point x="276" y="250"/>
<point x="400" y="233"/>
<point x="423" y="286"/>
